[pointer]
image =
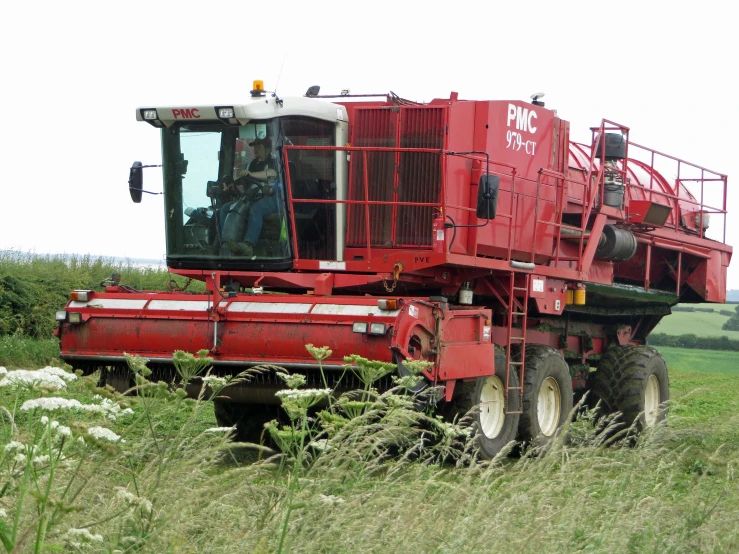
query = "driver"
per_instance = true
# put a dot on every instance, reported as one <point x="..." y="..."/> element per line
<point x="261" y="168"/>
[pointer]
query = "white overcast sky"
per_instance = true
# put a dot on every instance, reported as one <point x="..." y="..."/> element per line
<point x="73" y="74"/>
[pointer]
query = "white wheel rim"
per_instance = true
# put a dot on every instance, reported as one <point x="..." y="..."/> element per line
<point x="492" y="407"/>
<point x="549" y="406"/>
<point x="651" y="401"/>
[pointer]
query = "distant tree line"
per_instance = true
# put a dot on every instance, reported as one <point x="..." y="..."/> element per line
<point x="693" y="341"/>
<point x="732" y="324"/>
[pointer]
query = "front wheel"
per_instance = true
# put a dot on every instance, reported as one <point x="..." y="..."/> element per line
<point x="547" y="394"/>
<point x="487" y="404"/>
<point x="633" y="380"/>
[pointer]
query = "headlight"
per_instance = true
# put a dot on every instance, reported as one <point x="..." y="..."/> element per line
<point x="149" y="114"/>
<point x="75" y="317"/>
<point x="359" y="327"/>
<point x="61" y="315"/>
<point x="377" y="329"/>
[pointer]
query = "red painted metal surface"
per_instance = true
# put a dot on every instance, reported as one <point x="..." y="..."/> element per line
<point x="411" y="223"/>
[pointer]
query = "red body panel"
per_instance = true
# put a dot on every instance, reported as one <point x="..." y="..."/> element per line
<point x="412" y="228"/>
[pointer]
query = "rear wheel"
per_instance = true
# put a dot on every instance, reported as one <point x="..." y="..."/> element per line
<point x="487" y="404"/>
<point x="633" y="380"/>
<point x="547" y="394"/>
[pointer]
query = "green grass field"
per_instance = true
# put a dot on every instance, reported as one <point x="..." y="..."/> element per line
<point x="702" y="324"/>
<point x="190" y="491"/>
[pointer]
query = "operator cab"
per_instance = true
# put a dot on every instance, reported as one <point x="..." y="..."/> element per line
<point x="226" y="183"/>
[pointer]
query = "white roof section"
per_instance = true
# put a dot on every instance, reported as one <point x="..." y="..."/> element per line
<point x="261" y="107"/>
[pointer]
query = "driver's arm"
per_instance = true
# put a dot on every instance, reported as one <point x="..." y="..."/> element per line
<point x="260" y="175"/>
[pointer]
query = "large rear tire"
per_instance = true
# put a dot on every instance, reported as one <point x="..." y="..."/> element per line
<point x="486" y="402"/>
<point x="547" y="394"/>
<point x="633" y="380"/>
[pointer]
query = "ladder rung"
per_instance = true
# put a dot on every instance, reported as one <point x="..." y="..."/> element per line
<point x="517" y="338"/>
<point x="516" y="363"/>
<point x="520" y="288"/>
<point x="507" y="413"/>
<point x="518" y="313"/>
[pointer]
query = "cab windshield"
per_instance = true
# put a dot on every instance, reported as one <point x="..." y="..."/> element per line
<point x="226" y="193"/>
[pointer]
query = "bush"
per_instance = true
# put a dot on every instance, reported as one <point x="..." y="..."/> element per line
<point x="33" y="287"/>
<point x="692" y="341"/>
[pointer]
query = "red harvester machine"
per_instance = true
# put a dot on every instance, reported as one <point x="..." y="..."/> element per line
<point x="471" y="234"/>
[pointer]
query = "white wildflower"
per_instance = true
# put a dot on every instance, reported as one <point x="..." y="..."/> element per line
<point x="219" y="430"/>
<point x="59" y="372"/>
<point x="3" y="371"/>
<point x="293" y="380"/>
<point x="79" y="537"/>
<point x="104" y="433"/>
<point x="23" y="377"/>
<point x="133" y="500"/>
<point x="215" y="382"/>
<point x="107" y="407"/>
<point x="330" y="499"/>
<point x="3" y="513"/>
<point x="63" y="431"/>
<point x="81" y="440"/>
<point x="20" y="459"/>
<point x="41" y="460"/>
<point x="44" y="420"/>
<point x="51" y="404"/>
<point x="320" y="444"/>
<point x="303" y="394"/>
<point x="15" y="446"/>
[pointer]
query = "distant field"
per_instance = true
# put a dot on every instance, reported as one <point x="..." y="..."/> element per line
<point x="691" y="361"/>
<point x="702" y="324"/>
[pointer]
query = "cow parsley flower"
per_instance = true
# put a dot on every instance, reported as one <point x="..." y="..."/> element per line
<point x="215" y="382"/>
<point x="26" y="378"/>
<point x="3" y="371"/>
<point x="103" y="433"/>
<point x="41" y="460"/>
<point x="133" y="500"/>
<point x="107" y="407"/>
<point x="15" y="446"/>
<point x="59" y="372"/>
<point x="20" y="458"/>
<point x="81" y="537"/>
<point x="51" y="404"/>
<point x="303" y="394"/>
<point x="3" y="513"/>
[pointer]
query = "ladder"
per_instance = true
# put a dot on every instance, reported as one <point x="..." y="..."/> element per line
<point x="517" y="306"/>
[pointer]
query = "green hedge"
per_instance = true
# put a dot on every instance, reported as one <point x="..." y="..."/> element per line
<point x="33" y="287"/>
<point x="693" y="341"/>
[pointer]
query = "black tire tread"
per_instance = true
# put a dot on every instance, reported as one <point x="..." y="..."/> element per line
<point x="619" y="379"/>
<point x="536" y="356"/>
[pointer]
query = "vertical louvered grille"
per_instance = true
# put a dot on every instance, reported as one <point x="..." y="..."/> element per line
<point x="372" y="128"/>
<point x="418" y="176"/>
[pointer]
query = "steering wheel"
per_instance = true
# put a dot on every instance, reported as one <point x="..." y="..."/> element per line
<point x="253" y="188"/>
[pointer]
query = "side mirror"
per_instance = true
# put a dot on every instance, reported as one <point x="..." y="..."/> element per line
<point x="487" y="196"/>
<point x="136" y="182"/>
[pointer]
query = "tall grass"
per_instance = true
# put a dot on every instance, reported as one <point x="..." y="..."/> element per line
<point x="20" y="351"/>
<point x="172" y="487"/>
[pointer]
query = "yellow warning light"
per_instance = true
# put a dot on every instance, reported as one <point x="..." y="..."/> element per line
<point x="258" y="85"/>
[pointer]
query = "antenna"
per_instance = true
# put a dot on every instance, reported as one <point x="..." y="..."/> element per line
<point x="280" y="73"/>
